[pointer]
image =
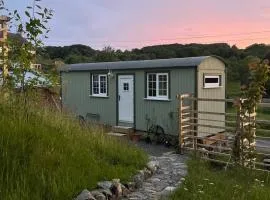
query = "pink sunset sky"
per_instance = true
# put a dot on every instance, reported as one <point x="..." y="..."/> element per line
<point x="127" y="24"/>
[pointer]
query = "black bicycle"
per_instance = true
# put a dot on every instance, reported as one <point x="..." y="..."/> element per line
<point x="155" y="133"/>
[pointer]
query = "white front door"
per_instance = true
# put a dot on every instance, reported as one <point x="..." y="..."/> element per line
<point x="126" y="98"/>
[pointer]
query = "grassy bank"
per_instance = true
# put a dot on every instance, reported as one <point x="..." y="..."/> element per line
<point x="205" y="182"/>
<point x="44" y="155"/>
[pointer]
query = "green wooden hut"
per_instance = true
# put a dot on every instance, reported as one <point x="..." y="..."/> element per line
<point x="142" y="93"/>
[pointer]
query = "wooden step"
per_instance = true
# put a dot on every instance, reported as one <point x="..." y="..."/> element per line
<point x="123" y="129"/>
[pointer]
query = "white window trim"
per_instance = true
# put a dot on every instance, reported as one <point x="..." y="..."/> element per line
<point x="157" y="97"/>
<point x="99" y="88"/>
<point x="212" y="85"/>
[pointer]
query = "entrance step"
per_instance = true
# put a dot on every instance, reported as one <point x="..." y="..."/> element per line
<point x="123" y="129"/>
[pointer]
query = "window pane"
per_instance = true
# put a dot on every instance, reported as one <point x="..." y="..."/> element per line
<point x="103" y="84"/>
<point x="125" y="86"/>
<point x="95" y="77"/>
<point x="211" y="80"/>
<point x="95" y="86"/>
<point x="152" y="85"/>
<point x="162" y="85"/>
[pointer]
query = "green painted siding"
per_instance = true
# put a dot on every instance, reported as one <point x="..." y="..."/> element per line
<point x="76" y="91"/>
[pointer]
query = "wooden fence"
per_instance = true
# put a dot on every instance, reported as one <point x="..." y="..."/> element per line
<point x="215" y="141"/>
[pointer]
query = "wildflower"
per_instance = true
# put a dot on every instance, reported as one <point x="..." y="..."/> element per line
<point x="200" y="185"/>
<point x="185" y="189"/>
<point x="200" y="191"/>
<point x="256" y="180"/>
<point x="206" y="179"/>
<point x="211" y="184"/>
<point x="182" y="179"/>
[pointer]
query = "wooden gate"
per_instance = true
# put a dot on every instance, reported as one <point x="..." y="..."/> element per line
<point x="211" y="136"/>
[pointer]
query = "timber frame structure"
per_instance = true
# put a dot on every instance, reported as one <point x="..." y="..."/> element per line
<point x="219" y="147"/>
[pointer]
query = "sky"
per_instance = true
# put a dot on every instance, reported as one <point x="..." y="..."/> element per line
<point x="128" y="24"/>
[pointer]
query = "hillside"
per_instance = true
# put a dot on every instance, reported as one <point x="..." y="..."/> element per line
<point x="45" y="155"/>
<point x="234" y="57"/>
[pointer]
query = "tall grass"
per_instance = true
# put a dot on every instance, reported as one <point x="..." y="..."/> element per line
<point x="206" y="183"/>
<point x="45" y="155"/>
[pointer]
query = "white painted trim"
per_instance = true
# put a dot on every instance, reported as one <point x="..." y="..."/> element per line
<point x="99" y="88"/>
<point x="157" y="97"/>
<point x="131" y="113"/>
<point x="212" y="85"/>
<point x="100" y="96"/>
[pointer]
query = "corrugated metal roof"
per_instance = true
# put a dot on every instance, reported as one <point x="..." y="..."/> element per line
<point x="138" y="64"/>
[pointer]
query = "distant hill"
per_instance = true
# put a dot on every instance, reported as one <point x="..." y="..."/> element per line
<point x="234" y="56"/>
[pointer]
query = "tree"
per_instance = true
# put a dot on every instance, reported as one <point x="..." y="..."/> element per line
<point x="32" y="27"/>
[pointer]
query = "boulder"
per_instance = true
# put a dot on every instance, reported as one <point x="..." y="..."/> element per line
<point x="85" y="195"/>
<point x="116" y="188"/>
<point x="105" y="185"/>
<point x="153" y="166"/>
<point x="147" y="173"/>
<point x="130" y="186"/>
<point x="98" y="195"/>
<point x="107" y="193"/>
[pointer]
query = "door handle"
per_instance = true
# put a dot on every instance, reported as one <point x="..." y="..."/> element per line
<point x="118" y="97"/>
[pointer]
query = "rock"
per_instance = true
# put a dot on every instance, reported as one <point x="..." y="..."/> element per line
<point x="105" y="185"/>
<point x="116" y="188"/>
<point x="125" y="191"/>
<point x="98" y="195"/>
<point x="167" y="191"/>
<point x="107" y="193"/>
<point x="85" y="195"/>
<point x="147" y="173"/>
<point x="153" y="166"/>
<point x="130" y="186"/>
<point x="138" y="180"/>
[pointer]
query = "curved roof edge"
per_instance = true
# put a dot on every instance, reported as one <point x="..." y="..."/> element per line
<point x="140" y="64"/>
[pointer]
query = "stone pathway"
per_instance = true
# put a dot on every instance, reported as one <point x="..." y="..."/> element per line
<point x="171" y="169"/>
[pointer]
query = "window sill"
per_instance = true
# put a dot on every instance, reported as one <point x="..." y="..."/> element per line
<point x="96" y="96"/>
<point x="212" y="87"/>
<point x="156" y="99"/>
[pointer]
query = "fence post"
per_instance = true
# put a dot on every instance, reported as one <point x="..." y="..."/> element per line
<point x="180" y="123"/>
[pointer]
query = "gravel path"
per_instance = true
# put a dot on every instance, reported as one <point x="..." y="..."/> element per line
<point x="171" y="169"/>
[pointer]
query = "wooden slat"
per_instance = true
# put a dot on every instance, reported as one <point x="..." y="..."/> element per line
<point x="185" y="126"/>
<point x="185" y="108"/>
<point x="261" y="137"/>
<point x="205" y="138"/>
<point x="261" y="164"/>
<point x="185" y="132"/>
<point x="186" y="119"/>
<point x="207" y="99"/>
<point x="214" y="152"/>
<point x="213" y="146"/>
<point x="209" y="126"/>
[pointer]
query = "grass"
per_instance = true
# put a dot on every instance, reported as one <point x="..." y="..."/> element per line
<point x="45" y="155"/>
<point x="205" y="183"/>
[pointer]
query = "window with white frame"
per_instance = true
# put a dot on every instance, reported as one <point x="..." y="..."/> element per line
<point x="212" y="81"/>
<point x="157" y="86"/>
<point x="99" y="85"/>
